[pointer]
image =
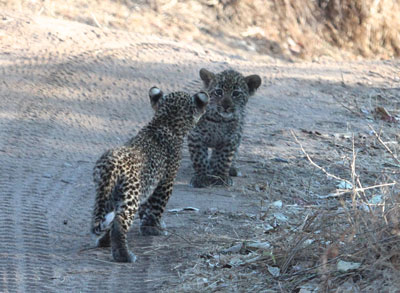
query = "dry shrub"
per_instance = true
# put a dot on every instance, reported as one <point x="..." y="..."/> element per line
<point x="370" y="27"/>
<point x="368" y="238"/>
<point x="363" y="230"/>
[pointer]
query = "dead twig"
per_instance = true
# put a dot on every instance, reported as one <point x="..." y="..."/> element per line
<point x="183" y="238"/>
<point x="378" y="137"/>
<point x="292" y="253"/>
<point x="349" y="109"/>
<point x="356" y="189"/>
<point x="314" y="164"/>
<point x="95" y="20"/>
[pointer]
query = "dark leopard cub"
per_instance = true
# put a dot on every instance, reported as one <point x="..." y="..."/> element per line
<point x="139" y="175"/>
<point x="220" y="128"/>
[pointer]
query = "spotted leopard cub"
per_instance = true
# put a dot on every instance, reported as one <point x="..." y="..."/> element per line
<point x="220" y="128"/>
<point x="138" y="176"/>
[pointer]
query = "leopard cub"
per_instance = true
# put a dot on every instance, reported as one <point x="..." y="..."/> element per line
<point x="220" y="128"/>
<point x="138" y="176"/>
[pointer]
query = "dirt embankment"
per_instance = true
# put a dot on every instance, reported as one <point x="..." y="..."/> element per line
<point x="289" y="29"/>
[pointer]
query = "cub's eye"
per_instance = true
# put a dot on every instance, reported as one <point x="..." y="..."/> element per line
<point x="218" y="92"/>
<point x="235" y="93"/>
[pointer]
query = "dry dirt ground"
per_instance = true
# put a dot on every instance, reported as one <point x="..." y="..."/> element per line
<point x="69" y="91"/>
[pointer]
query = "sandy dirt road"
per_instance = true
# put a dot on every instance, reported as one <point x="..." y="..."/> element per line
<point x="70" y="91"/>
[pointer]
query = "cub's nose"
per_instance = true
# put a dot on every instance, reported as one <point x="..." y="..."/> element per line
<point x="226" y="103"/>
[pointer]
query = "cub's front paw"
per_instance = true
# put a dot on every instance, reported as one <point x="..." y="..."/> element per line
<point x="123" y="255"/>
<point x="152" y="229"/>
<point x="199" y="181"/>
<point x="221" y="180"/>
<point x="235" y="172"/>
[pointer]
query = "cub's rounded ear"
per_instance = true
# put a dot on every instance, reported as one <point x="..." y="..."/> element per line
<point x="155" y="95"/>
<point x="201" y="99"/>
<point x="206" y="76"/>
<point x="253" y="83"/>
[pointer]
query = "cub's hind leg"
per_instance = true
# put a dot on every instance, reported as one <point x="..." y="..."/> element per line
<point x="105" y="239"/>
<point x="150" y="212"/>
<point x="127" y="199"/>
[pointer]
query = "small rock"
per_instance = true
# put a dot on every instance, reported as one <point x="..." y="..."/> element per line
<point x="364" y="111"/>
<point x="309" y="242"/>
<point x="274" y="271"/>
<point x="280" y="160"/>
<point x="183" y="209"/>
<point x="280" y="217"/>
<point x="236" y="261"/>
<point x="259" y="245"/>
<point x="344" y="185"/>
<point x="234" y="249"/>
<point x="277" y="204"/>
<point x="267" y="227"/>
<point x="376" y="199"/>
<point x="330" y="195"/>
<point x="344" y="266"/>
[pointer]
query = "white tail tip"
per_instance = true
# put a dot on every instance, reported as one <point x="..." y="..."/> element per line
<point x="107" y="220"/>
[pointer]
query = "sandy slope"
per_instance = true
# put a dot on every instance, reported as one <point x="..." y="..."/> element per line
<point x="69" y="91"/>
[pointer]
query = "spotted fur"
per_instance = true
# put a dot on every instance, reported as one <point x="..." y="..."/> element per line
<point x="138" y="176"/>
<point x="220" y="128"/>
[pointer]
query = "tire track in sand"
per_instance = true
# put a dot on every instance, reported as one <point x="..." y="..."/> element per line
<point x="61" y="111"/>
